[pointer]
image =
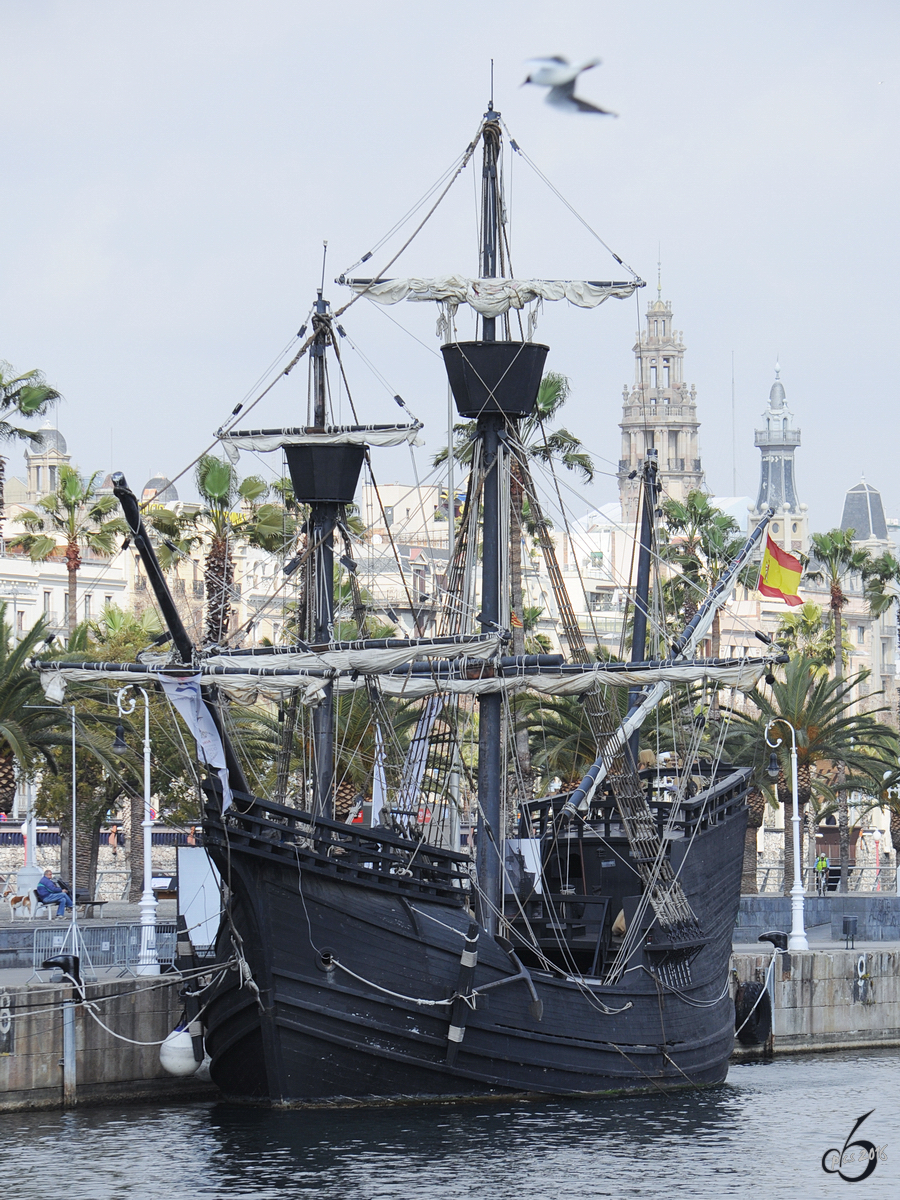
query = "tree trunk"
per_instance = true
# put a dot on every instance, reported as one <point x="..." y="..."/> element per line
<point x="288" y="728"/>
<point x="715" y="647"/>
<point x="73" y="599"/>
<point x="219" y="578"/>
<point x="785" y="796"/>
<point x="843" y="805"/>
<point x="2" y="495"/>
<point x="843" y="834"/>
<point x="7" y="781"/>
<point x="135" y="848"/>
<point x="756" y="807"/>
<point x="87" y="846"/>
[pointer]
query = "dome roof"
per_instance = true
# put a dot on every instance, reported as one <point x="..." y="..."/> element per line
<point x="159" y="488"/>
<point x="51" y="439"/>
<point x="776" y="395"/>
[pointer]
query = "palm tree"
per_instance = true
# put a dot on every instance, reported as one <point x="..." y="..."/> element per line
<point x="76" y="514"/>
<point x="702" y="541"/>
<point x="232" y="511"/>
<point x="804" y="630"/>
<point x="27" y="395"/>
<point x="839" y="559"/>
<point x="881" y="581"/>
<point x="28" y="736"/>
<point x="819" y="708"/>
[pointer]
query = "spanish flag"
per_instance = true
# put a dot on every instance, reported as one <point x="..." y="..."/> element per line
<point x="779" y="575"/>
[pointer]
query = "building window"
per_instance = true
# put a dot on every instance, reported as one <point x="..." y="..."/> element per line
<point x="665" y="372"/>
<point x="861" y="634"/>
<point x="20" y="621"/>
<point x="87" y="608"/>
<point x="656" y="328"/>
<point x="51" y="471"/>
<point x="46" y="604"/>
<point x="596" y="558"/>
<point x="653" y="373"/>
<point x="107" y="601"/>
<point x="775" y="528"/>
<point x="599" y="601"/>
<point x="794" y="527"/>
<point x="66" y="608"/>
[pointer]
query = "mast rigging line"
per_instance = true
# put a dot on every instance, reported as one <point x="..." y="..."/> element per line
<point x="464" y="162"/>
<point x="655" y="556"/>
<point x="514" y="145"/>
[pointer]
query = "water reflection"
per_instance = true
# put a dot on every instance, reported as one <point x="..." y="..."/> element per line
<point x="762" y="1133"/>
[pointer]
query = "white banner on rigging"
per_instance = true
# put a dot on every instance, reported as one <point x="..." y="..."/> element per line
<point x="184" y="695"/>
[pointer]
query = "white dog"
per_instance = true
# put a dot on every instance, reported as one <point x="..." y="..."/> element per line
<point x="14" y="901"/>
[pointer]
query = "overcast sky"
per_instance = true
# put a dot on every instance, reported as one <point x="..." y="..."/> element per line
<point x="170" y="170"/>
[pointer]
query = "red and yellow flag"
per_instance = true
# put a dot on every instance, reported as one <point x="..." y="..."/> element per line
<point x="779" y="574"/>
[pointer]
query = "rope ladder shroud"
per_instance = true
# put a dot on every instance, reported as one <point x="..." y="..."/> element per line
<point x="673" y="911"/>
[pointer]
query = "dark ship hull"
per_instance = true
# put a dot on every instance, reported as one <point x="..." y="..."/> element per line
<point x="342" y="944"/>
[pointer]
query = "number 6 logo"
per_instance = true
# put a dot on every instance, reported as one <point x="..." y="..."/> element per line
<point x="869" y="1155"/>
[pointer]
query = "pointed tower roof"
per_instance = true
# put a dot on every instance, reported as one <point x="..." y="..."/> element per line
<point x="864" y="513"/>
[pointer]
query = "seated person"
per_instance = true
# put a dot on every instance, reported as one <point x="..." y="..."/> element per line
<point x="49" y="892"/>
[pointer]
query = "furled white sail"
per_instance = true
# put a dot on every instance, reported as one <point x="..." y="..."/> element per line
<point x="262" y="440"/>
<point x="248" y="683"/>
<point x="363" y="660"/>
<point x="491" y="297"/>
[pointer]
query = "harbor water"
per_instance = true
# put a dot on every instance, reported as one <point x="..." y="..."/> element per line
<point x="763" y="1134"/>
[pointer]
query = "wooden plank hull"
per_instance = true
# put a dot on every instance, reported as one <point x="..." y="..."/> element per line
<point x="348" y="975"/>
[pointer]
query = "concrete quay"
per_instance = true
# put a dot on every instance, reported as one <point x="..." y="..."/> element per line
<point x="828" y="997"/>
<point x="108" y="1069"/>
<point x="114" y="1065"/>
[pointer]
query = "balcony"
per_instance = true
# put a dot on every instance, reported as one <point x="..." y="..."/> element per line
<point x="778" y="437"/>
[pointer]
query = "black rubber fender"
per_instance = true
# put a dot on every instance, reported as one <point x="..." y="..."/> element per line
<point x="753" y="1024"/>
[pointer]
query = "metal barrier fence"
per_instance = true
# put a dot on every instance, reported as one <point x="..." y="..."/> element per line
<point x="108" y="946"/>
<point x="861" y="879"/>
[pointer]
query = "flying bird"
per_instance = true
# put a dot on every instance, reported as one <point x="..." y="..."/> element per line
<point x="559" y="75"/>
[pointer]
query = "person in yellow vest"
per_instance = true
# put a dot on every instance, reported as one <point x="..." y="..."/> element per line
<point x="821" y="873"/>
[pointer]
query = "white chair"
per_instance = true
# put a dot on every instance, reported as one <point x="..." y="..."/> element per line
<point x="39" y="904"/>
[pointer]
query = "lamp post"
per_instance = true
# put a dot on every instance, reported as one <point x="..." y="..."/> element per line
<point x="876" y="833"/>
<point x="148" y="963"/>
<point x="797" y="939"/>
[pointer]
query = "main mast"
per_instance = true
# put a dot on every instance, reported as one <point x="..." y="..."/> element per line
<point x="495" y="382"/>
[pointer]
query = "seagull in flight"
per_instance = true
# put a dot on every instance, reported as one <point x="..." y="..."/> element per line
<point x="559" y="75"/>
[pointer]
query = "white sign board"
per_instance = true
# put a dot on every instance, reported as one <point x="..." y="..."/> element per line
<point x="198" y="895"/>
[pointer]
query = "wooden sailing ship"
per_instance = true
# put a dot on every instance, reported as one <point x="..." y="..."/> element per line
<point x="586" y="947"/>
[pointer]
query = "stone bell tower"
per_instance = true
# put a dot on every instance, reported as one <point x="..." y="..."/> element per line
<point x="659" y="413"/>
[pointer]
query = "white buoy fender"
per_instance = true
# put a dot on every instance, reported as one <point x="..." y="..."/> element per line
<point x="176" y="1054"/>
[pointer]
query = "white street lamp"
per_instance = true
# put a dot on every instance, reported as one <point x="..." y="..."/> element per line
<point x="148" y="963"/>
<point x="797" y="939"/>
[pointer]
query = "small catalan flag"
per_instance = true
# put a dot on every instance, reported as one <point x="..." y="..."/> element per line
<point x="779" y="574"/>
<point x="515" y="622"/>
